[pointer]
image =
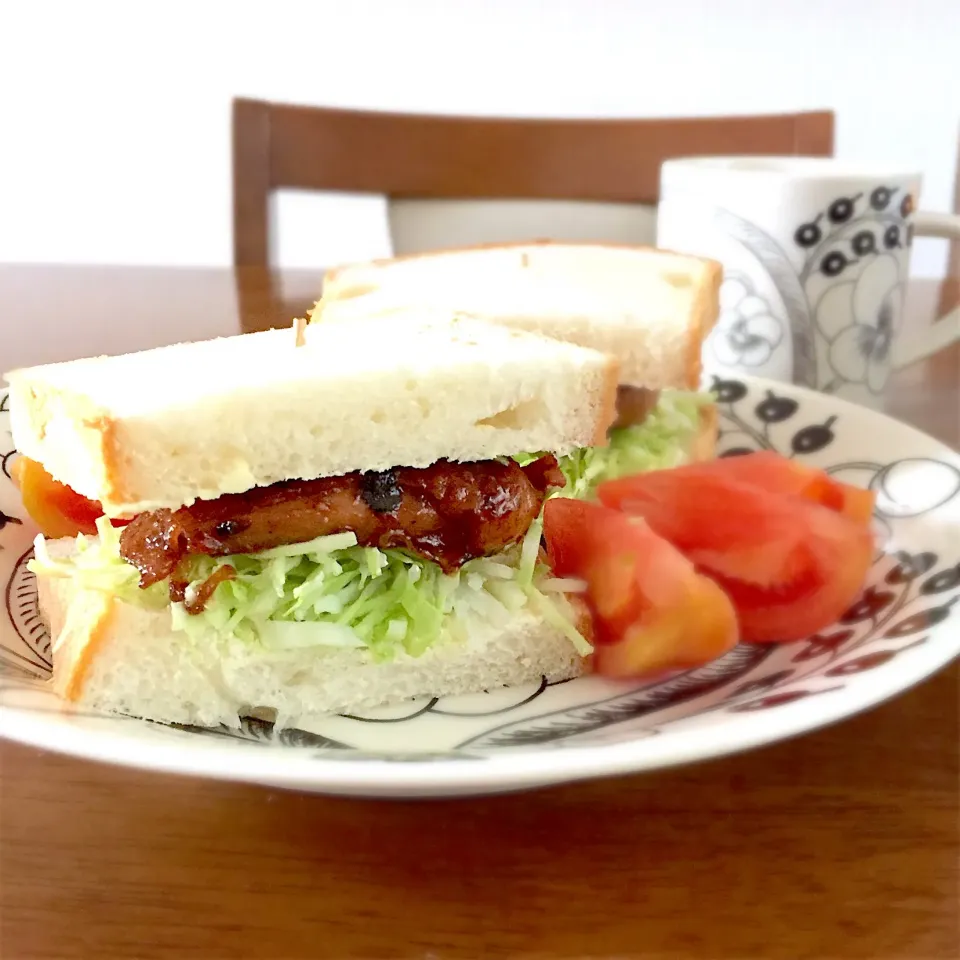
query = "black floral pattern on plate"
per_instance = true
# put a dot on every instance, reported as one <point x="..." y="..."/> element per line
<point x="562" y="725"/>
<point x="32" y="652"/>
<point x="258" y="731"/>
<point x="887" y="610"/>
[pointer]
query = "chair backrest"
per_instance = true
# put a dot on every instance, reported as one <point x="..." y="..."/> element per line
<point x="950" y="291"/>
<point x="419" y="225"/>
<point x="415" y="157"/>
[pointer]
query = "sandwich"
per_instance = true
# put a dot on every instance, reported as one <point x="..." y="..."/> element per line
<point x="289" y="527"/>
<point x="292" y="527"/>
<point x="650" y="308"/>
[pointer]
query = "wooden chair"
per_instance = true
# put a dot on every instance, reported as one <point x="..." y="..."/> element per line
<point x="411" y="156"/>
<point x="950" y="290"/>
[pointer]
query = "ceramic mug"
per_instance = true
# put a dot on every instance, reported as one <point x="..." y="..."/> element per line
<point x="816" y="259"/>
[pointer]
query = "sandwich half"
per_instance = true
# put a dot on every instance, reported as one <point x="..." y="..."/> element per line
<point x="650" y="308"/>
<point x="293" y="530"/>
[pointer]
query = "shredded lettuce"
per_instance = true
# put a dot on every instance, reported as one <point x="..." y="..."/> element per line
<point x="96" y="564"/>
<point x="333" y="593"/>
<point x="330" y="592"/>
<point x="663" y="440"/>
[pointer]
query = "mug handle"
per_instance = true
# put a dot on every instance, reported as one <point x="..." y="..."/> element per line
<point x="946" y="225"/>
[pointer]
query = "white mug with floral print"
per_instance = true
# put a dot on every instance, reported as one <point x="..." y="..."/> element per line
<point x="816" y="258"/>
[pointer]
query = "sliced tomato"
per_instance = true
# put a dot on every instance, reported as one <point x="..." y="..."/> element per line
<point x="782" y="475"/>
<point x="652" y="611"/>
<point x="773" y="473"/>
<point x="790" y="566"/>
<point x="58" y="510"/>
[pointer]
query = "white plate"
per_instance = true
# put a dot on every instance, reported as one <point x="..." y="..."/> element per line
<point x="905" y="626"/>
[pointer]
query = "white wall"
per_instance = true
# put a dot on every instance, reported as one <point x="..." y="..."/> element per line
<point x="114" y="117"/>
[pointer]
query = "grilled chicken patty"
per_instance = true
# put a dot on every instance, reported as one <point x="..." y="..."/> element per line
<point x="447" y="512"/>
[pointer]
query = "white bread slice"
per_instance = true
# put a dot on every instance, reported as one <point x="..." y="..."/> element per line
<point x="704" y="446"/>
<point x="165" y="427"/>
<point x="649" y="308"/>
<point x="115" y="657"/>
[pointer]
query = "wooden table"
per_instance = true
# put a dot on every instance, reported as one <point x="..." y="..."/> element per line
<point x="843" y="843"/>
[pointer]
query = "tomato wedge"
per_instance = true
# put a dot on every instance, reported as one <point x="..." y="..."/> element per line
<point x="782" y="475"/>
<point x="652" y="611"/>
<point x="58" y="510"/>
<point x="773" y="473"/>
<point x="790" y="566"/>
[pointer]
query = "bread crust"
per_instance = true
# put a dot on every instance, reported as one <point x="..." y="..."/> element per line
<point x="705" y="443"/>
<point x="608" y="409"/>
<point x="705" y="314"/>
<point x="333" y="275"/>
<point x="86" y="622"/>
<point x="106" y="430"/>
